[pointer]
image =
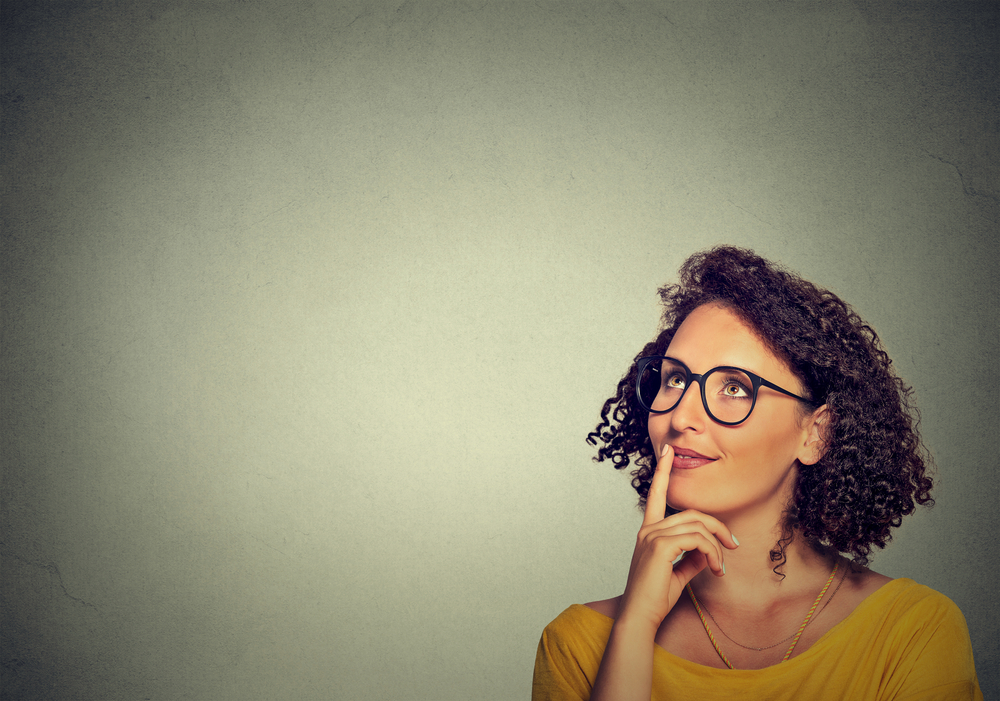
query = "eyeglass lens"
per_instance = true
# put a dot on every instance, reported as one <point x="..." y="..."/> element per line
<point x="728" y="393"/>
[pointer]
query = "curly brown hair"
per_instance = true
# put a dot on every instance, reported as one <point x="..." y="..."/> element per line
<point x="873" y="470"/>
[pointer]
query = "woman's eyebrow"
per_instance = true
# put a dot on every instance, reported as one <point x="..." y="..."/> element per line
<point x="742" y="366"/>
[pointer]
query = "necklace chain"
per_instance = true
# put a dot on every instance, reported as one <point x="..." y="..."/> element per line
<point x="761" y="649"/>
<point x="702" y="610"/>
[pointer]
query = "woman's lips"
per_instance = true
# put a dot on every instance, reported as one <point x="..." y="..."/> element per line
<point x="685" y="459"/>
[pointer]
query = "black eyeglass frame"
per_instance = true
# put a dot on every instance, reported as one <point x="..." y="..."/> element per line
<point x="755" y="380"/>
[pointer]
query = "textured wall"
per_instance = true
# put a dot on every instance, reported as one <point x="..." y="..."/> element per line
<point x="307" y="308"/>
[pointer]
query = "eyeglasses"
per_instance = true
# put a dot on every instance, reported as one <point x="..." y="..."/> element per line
<point x="728" y="394"/>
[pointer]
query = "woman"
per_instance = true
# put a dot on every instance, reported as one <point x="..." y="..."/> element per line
<point x="770" y="436"/>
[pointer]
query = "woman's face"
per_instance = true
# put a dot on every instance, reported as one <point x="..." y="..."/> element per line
<point x="746" y="468"/>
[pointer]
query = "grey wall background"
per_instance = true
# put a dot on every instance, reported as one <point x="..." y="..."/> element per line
<point x="308" y="307"/>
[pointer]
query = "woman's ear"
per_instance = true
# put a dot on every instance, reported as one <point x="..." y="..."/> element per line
<point x="816" y="426"/>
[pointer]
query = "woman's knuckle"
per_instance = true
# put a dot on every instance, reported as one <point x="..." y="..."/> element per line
<point x="661" y="544"/>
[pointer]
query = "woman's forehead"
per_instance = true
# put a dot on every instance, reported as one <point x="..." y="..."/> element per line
<point x="713" y="335"/>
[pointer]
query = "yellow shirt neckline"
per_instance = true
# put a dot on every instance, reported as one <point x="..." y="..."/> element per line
<point x="826" y="639"/>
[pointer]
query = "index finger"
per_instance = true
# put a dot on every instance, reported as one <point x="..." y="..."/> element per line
<point x="656" y="500"/>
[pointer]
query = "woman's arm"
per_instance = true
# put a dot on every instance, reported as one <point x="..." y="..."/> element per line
<point x="626" y="670"/>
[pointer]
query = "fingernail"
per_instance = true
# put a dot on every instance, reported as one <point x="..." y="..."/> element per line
<point x="734" y="539"/>
<point x="664" y="451"/>
<point x="723" y="568"/>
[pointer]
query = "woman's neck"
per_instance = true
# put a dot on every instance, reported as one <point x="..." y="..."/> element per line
<point x="750" y="579"/>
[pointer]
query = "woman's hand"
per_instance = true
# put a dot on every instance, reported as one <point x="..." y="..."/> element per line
<point x="655" y="583"/>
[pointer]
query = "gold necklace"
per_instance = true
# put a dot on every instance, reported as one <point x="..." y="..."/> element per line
<point x="796" y="635"/>
<point x="761" y="649"/>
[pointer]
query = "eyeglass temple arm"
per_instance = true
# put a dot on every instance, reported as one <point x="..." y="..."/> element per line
<point x="773" y="386"/>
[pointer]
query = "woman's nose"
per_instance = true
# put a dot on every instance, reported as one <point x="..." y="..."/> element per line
<point x="689" y="414"/>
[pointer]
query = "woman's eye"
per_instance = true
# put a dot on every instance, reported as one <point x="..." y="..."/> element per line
<point x="674" y="382"/>
<point x="735" y="390"/>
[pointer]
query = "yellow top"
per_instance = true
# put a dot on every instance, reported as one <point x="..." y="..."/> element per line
<point x="904" y="642"/>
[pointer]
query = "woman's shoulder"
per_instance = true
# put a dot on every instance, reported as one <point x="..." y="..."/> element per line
<point x="579" y="634"/>
<point x="606" y="607"/>
<point x="903" y="594"/>
<point x="922" y="638"/>
<point x="897" y="610"/>
<point x="581" y="620"/>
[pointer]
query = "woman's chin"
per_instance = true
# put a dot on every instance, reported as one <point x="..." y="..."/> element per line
<point x="682" y="504"/>
<point x="685" y="502"/>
